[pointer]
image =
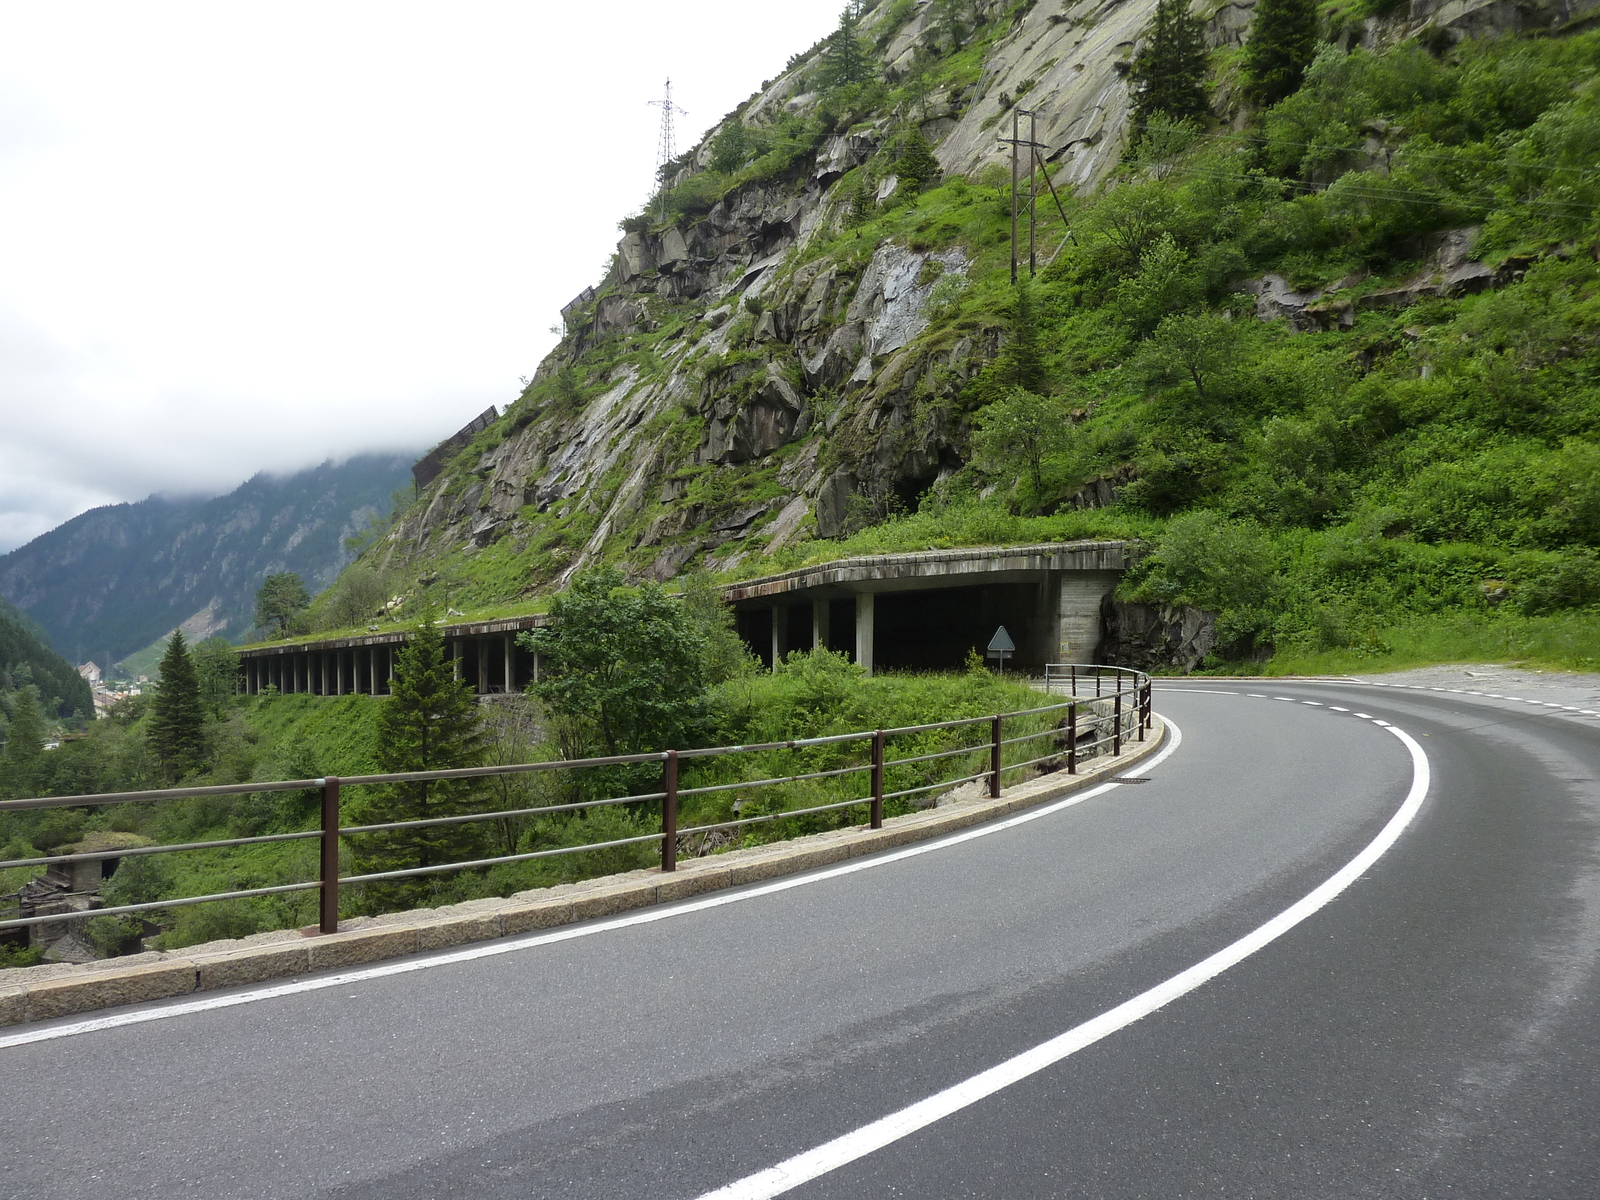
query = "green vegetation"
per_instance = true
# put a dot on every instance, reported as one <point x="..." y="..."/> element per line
<point x="1169" y="73"/>
<point x="699" y="687"/>
<point x="1396" y="429"/>
<point x="176" y="728"/>
<point x="430" y="723"/>
<point x="279" y="602"/>
<point x="1283" y="41"/>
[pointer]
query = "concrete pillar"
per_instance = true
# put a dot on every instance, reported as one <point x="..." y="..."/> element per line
<point x="865" y="612"/>
<point x="338" y="672"/>
<point x="819" y="624"/>
<point x="511" y="663"/>
<point x="1077" y="615"/>
<point x="482" y="646"/>
<point x="455" y="660"/>
<point x="780" y="634"/>
<point x="390" y="688"/>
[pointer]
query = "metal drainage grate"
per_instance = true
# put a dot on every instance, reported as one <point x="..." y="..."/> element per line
<point x="1133" y="779"/>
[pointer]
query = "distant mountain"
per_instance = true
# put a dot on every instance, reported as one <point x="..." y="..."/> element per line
<point x="114" y="579"/>
<point x="25" y="657"/>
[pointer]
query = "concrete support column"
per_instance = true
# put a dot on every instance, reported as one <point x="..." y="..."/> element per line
<point x="391" y="670"/>
<point x="455" y="660"/>
<point x="511" y="663"/>
<point x="780" y="634"/>
<point x="1077" y="614"/>
<point x="338" y="672"/>
<point x="483" y="665"/>
<point x="866" y="610"/>
<point x="819" y="624"/>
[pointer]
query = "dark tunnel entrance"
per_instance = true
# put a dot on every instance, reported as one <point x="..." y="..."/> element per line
<point x="936" y="630"/>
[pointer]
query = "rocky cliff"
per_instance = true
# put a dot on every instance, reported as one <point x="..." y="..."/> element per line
<point x="771" y="358"/>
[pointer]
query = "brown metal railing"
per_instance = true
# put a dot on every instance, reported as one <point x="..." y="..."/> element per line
<point x="1110" y="683"/>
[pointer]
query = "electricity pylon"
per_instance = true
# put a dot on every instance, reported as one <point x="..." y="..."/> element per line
<point x="666" y="149"/>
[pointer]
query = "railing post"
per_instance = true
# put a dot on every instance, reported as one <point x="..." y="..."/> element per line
<point x="1142" y="696"/>
<point x="877" y="779"/>
<point x="669" y="813"/>
<point x="1116" y="721"/>
<point x="330" y="855"/>
<point x="994" y="759"/>
<point x="1074" y="669"/>
<point x="1097" y="683"/>
<point x="1072" y="739"/>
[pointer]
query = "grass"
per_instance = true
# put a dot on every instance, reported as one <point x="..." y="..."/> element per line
<point x="1567" y="641"/>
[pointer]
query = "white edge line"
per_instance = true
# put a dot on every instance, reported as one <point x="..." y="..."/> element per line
<point x="644" y="917"/>
<point x="793" y="1172"/>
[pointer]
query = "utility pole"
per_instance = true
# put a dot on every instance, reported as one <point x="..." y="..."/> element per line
<point x="1036" y="167"/>
<point x="666" y="148"/>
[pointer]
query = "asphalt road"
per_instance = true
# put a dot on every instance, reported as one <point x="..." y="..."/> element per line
<point x="1434" y="1031"/>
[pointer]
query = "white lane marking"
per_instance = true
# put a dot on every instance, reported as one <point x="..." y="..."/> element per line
<point x="1364" y="716"/>
<point x="1256" y="695"/>
<point x="830" y="1156"/>
<point x="1289" y="699"/>
<point x="1313" y="703"/>
<point x="1336" y="708"/>
<point x="643" y="917"/>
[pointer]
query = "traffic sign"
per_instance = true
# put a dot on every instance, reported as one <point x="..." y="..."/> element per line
<point x="1001" y="646"/>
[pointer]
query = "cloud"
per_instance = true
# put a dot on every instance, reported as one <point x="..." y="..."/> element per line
<point x="241" y="238"/>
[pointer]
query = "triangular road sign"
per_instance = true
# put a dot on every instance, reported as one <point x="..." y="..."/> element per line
<point x="1001" y="642"/>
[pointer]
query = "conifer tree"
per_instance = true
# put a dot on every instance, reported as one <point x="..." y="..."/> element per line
<point x="844" y="57"/>
<point x="1283" y="41"/>
<point x="19" y="767"/>
<point x="917" y="166"/>
<point x="430" y="722"/>
<point x="1169" y="72"/>
<point x="176" y="730"/>
<point x="1022" y="361"/>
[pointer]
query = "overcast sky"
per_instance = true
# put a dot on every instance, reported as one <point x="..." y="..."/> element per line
<point x="237" y="237"/>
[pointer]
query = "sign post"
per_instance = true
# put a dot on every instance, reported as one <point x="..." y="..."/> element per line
<point x="1001" y="646"/>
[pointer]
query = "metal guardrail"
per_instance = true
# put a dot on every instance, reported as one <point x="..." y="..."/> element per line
<point x="1110" y="683"/>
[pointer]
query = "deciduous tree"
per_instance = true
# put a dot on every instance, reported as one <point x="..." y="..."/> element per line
<point x="624" y="661"/>
<point x="282" y="597"/>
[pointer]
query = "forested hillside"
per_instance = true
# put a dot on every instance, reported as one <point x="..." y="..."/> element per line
<point x="113" y="580"/>
<point x="27" y="661"/>
<point x="1315" y="317"/>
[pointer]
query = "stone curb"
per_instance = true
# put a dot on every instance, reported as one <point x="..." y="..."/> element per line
<point x="44" y="993"/>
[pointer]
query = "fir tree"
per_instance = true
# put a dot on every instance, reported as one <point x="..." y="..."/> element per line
<point x="430" y="722"/>
<point x="19" y="767"/>
<point x="1169" y="72"/>
<point x="1022" y="361"/>
<point x="176" y="730"/>
<point x="917" y="167"/>
<point x="844" y="58"/>
<point x="1283" y="41"/>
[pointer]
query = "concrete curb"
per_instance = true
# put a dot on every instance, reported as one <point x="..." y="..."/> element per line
<point x="47" y="992"/>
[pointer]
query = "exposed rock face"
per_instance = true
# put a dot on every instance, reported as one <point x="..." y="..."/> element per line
<point x="766" y="381"/>
<point x="1155" y="639"/>
<point x="1449" y="271"/>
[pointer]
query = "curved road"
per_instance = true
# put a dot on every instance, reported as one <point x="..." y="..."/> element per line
<point x="1432" y="1031"/>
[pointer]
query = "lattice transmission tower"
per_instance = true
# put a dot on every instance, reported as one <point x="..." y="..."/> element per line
<point x="667" y="148"/>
